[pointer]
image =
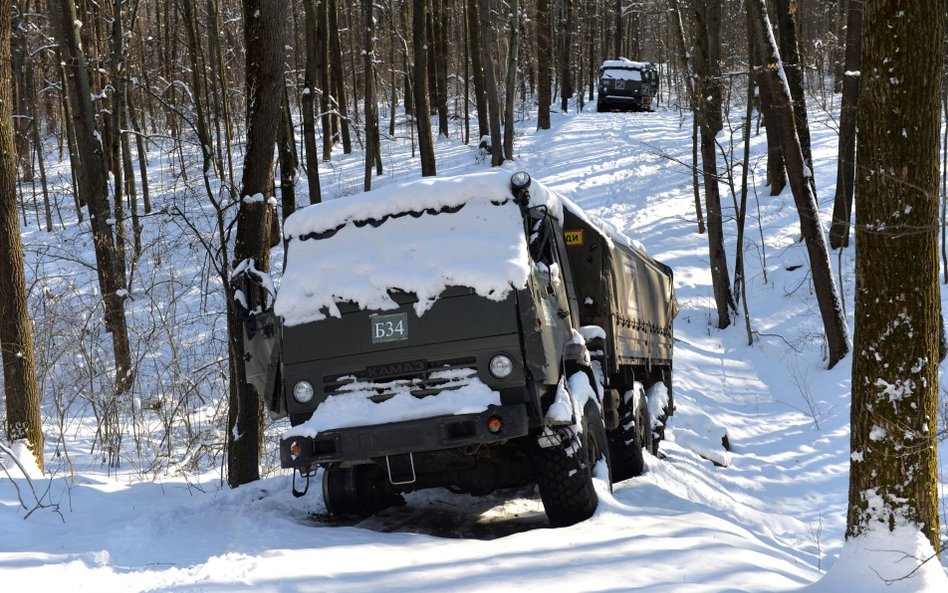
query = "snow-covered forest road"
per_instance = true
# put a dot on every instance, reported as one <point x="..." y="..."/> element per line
<point x="769" y="516"/>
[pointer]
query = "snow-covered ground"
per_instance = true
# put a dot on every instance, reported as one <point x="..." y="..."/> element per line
<point x="769" y="516"/>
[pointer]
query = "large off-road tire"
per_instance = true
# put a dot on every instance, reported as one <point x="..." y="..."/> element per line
<point x="634" y="433"/>
<point x="564" y="472"/>
<point x="358" y="491"/>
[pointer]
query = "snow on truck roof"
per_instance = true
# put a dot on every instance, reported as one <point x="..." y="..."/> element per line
<point x="625" y="63"/>
<point x="418" y="237"/>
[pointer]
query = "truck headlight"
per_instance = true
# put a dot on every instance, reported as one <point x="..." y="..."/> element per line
<point x="501" y="366"/>
<point x="520" y="180"/>
<point x="303" y="392"/>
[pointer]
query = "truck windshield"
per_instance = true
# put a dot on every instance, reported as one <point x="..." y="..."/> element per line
<point x="479" y="244"/>
<point x="621" y="73"/>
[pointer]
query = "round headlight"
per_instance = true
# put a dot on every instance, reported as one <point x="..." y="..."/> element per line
<point x="501" y="366"/>
<point x="520" y="180"/>
<point x="303" y="392"/>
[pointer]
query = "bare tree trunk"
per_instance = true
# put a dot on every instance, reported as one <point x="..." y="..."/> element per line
<point x="846" y="162"/>
<point x="827" y="295"/>
<point x="480" y="84"/>
<point x="420" y="89"/>
<point x="793" y="68"/>
<point x="894" y="413"/>
<point x="339" y="87"/>
<point x="708" y="94"/>
<point x="493" y="102"/>
<point x="16" y="340"/>
<point x="544" y="87"/>
<point x="93" y="185"/>
<point x="566" y="76"/>
<point x="197" y="84"/>
<point x="322" y="68"/>
<point x="308" y="103"/>
<point x="286" y="145"/>
<point x="440" y="42"/>
<point x="20" y="87"/>
<point x="371" y="119"/>
<point x="695" y="107"/>
<point x="263" y="33"/>
<point x="511" y="88"/>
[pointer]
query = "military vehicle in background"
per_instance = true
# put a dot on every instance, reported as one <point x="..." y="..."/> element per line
<point x="472" y="333"/>
<point x="625" y="85"/>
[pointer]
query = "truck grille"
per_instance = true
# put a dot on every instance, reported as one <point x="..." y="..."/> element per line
<point x="418" y="377"/>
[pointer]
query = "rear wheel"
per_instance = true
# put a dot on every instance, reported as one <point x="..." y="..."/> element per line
<point x="634" y="434"/>
<point x="564" y="472"/>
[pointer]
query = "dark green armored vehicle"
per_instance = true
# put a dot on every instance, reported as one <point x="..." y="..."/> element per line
<point x="472" y="333"/>
<point x="627" y="85"/>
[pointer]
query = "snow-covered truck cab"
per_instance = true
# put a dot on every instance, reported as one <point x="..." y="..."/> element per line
<point x="625" y="84"/>
<point x="432" y="336"/>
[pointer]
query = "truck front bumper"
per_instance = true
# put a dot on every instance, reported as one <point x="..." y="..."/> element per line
<point x="362" y="443"/>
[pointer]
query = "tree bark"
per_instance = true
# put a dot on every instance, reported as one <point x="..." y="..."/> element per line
<point x="566" y="68"/>
<point x="894" y="468"/>
<point x="480" y="84"/>
<point x="420" y="89"/>
<point x="93" y="185"/>
<point x="493" y="102"/>
<point x="371" y="119"/>
<point x="695" y="107"/>
<point x="308" y="101"/>
<point x="793" y="68"/>
<point x="440" y="42"/>
<point x="322" y="68"/>
<point x="827" y="295"/>
<point x="846" y="161"/>
<point x="16" y="340"/>
<point x="263" y="35"/>
<point x="513" y="62"/>
<point x="544" y="87"/>
<point x="338" y="85"/>
<point x="708" y="94"/>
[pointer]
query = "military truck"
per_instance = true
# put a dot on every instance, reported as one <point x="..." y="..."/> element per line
<point x="472" y="333"/>
<point x="625" y="84"/>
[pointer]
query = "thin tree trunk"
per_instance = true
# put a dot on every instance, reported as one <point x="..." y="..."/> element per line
<point x="566" y="79"/>
<point x="827" y="295"/>
<point x="846" y="161"/>
<point x="440" y="42"/>
<point x="544" y="89"/>
<point x="793" y="69"/>
<point x="371" y="137"/>
<point x="286" y="145"/>
<point x="420" y="88"/>
<point x="308" y="103"/>
<point x="339" y="87"/>
<point x="695" y="108"/>
<point x="93" y="185"/>
<point x="493" y="102"/>
<point x="477" y="65"/>
<point x="322" y="69"/>
<point x="708" y="94"/>
<point x="511" y="87"/>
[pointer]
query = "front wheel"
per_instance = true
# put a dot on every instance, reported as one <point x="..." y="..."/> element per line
<point x="564" y="472"/>
<point x="358" y="491"/>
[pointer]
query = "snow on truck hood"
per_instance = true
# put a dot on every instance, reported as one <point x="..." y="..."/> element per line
<point x="418" y="237"/>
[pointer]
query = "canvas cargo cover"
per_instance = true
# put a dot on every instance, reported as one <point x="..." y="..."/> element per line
<point x="623" y="290"/>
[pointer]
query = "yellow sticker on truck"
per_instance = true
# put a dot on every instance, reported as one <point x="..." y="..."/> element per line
<point x="574" y="238"/>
